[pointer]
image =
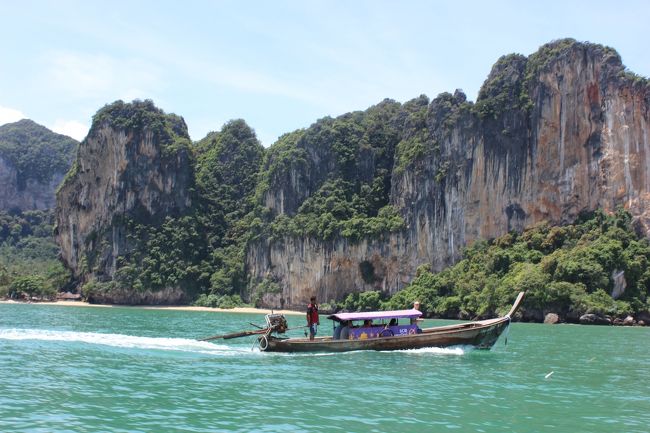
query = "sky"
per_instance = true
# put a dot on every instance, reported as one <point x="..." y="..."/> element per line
<point x="279" y="65"/>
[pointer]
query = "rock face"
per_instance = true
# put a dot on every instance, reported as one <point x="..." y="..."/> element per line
<point x="594" y="319"/>
<point x="551" y="319"/>
<point x="31" y="195"/>
<point x="33" y="161"/>
<point x="128" y="296"/>
<point x="134" y="166"/>
<point x="552" y="135"/>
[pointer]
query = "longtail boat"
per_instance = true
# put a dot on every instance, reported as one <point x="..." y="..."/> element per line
<point x="382" y="330"/>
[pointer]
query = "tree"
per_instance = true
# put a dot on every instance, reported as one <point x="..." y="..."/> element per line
<point x="31" y="285"/>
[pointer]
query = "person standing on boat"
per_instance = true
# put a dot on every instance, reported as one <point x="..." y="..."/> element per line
<point x="312" y="317"/>
<point x="416" y="306"/>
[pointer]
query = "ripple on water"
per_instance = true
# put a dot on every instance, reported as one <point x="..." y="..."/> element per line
<point x="127" y="370"/>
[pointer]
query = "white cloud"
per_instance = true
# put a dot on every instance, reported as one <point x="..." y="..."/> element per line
<point x="101" y="77"/>
<point x="9" y="115"/>
<point x="71" y="128"/>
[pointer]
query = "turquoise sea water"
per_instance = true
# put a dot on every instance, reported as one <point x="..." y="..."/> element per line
<point x="72" y="369"/>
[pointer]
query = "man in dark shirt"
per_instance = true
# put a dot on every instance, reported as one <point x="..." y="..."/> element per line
<point x="312" y="318"/>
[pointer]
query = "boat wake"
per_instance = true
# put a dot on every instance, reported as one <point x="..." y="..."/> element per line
<point x="455" y="350"/>
<point x="442" y="351"/>
<point x="123" y="341"/>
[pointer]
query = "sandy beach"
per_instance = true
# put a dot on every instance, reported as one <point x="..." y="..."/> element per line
<point x="249" y="310"/>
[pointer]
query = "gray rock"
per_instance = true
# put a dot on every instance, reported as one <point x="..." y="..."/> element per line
<point x="594" y="319"/>
<point x="629" y="321"/>
<point x="552" y="319"/>
<point x="620" y="284"/>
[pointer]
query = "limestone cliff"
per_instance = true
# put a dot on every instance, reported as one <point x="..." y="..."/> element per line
<point x="135" y="165"/>
<point x="551" y="135"/>
<point x="33" y="161"/>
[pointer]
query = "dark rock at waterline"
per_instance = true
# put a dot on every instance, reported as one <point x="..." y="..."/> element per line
<point x="551" y="319"/>
<point x="594" y="319"/>
<point x="643" y="316"/>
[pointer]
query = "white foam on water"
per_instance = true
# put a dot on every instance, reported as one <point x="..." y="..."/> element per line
<point x="182" y="344"/>
<point x="455" y="350"/>
<point x="123" y="341"/>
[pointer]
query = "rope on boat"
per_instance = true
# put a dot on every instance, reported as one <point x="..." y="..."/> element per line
<point x="263" y="340"/>
<point x="507" y="330"/>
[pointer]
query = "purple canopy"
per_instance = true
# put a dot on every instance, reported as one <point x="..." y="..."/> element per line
<point x="372" y="315"/>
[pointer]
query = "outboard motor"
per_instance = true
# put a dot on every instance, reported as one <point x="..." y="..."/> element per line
<point x="276" y="323"/>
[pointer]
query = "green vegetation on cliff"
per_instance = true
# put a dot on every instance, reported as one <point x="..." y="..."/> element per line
<point x="226" y="175"/>
<point x="346" y="192"/>
<point x="36" y="152"/>
<point x="570" y="270"/>
<point x="508" y="86"/>
<point x="200" y="251"/>
<point x="500" y="92"/>
<point x="333" y="180"/>
<point x="28" y="255"/>
<point x="142" y="117"/>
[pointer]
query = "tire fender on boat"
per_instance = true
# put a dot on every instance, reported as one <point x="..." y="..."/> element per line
<point x="264" y="343"/>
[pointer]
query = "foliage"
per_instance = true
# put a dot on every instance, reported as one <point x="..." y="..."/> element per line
<point x="365" y="301"/>
<point x="635" y="79"/>
<point x="500" y="91"/>
<point x="143" y="117"/>
<point x="32" y="286"/>
<point x="567" y="270"/>
<point x="344" y="165"/>
<point x="509" y="84"/>
<point x="202" y="251"/>
<point x="27" y="249"/>
<point x="226" y="178"/>
<point x="413" y="146"/>
<point x="329" y="213"/>
<point x="544" y="56"/>
<point x="216" y="301"/>
<point x="174" y="254"/>
<point x="227" y="171"/>
<point x="36" y="152"/>
<point x="537" y="62"/>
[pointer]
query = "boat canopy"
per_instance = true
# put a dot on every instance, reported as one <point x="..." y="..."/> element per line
<point x="373" y="315"/>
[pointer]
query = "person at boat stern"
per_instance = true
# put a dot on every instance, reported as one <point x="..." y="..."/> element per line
<point x="312" y="317"/>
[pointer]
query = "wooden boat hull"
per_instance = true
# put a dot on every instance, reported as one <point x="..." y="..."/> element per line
<point x="481" y="335"/>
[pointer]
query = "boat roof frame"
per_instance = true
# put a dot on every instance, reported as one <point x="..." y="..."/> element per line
<point x="375" y="315"/>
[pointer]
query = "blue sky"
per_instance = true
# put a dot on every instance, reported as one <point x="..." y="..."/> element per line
<point x="280" y="65"/>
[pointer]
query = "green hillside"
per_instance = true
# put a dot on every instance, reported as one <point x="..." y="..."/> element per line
<point x="35" y="151"/>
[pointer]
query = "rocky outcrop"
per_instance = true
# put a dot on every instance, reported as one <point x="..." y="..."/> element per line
<point x="127" y="296"/>
<point x="31" y="195"/>
<point x="594" y="319"/>
<point x="33" y="161"/>
<point x="331" y="269"/>
<point x="135" y="166"/>
<point x="551" y="319"/>
<point x="552" y="135"/>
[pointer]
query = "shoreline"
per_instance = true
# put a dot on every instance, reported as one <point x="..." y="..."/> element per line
<point x="242" y="310"/>
<point x="248" y="310"/>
